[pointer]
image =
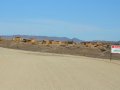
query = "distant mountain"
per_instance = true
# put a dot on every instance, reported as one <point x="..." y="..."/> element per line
<point x="76" y="40"/>
<point x="118" y="41"/>
<point x="43" y="38"/>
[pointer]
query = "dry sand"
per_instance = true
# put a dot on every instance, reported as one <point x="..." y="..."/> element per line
<point x="23" y="70"/>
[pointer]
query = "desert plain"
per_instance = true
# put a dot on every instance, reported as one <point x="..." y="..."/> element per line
<point x="26" y="70"/>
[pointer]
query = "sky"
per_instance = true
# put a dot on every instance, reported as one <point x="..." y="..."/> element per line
<point x="83" y="19"/>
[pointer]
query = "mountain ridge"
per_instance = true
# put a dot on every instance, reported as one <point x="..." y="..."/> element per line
<point x="43" y="37"/>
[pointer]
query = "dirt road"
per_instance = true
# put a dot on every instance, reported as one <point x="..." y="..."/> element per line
<point x="23" y="70"/>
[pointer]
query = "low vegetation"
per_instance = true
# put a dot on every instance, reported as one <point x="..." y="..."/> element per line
<point x="91" y="49"/>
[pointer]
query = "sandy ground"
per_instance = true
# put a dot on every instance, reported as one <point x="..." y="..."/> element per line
<point x="23" y="70"/>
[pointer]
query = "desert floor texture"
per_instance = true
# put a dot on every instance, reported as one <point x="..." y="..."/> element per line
<point x="25" y="70"/>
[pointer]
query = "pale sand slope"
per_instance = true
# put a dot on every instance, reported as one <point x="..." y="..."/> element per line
<point x="22" y="70"/>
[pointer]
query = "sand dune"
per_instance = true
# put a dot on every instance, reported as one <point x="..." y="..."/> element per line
<point x="23" y="70"/>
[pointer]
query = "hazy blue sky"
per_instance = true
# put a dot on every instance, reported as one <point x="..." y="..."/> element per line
<point x="83" y="19"/>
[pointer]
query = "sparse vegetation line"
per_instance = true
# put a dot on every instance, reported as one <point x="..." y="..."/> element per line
<point x="91" y="49"/>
